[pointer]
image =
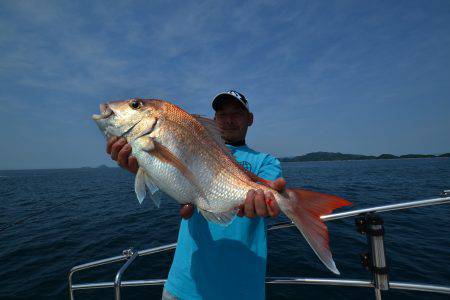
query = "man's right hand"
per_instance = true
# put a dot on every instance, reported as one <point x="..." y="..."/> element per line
<point x="120" y="151"/>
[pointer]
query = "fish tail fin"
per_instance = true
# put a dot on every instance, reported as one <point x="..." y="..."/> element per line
<point x="304" y="208"/>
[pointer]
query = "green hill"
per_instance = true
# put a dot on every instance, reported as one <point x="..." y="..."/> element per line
<point x="387" y="156"/>
<point x="327" y="156"/>
<point x="417" y="156"/>
<point x="331" y="156"/>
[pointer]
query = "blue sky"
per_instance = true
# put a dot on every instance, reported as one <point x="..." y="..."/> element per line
<point x="365" y="77"/>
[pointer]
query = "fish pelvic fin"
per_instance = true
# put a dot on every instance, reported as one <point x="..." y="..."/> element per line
<point x="143" y="182"/>
<point x="304" y="208"/>
<point x="222" y="218"/>
<point x="139" y="185"/>
<point x="153" y="188"/>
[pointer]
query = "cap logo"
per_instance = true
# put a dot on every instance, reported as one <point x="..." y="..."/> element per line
<point x="235" y="94"/>
<point x="238" y="96"/>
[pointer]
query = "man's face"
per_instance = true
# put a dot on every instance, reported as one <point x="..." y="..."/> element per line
<point x="233" y="120"/>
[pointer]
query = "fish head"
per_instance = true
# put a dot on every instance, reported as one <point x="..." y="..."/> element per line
<point x="127" y="118"/>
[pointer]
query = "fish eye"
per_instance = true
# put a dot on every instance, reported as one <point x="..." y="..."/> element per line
<point x="136" y="104"/>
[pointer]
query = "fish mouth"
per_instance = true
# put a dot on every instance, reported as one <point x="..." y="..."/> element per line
<point x="105" y="112"/>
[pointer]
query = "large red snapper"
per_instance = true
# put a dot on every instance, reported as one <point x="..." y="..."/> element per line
<point x="185" y="156"/>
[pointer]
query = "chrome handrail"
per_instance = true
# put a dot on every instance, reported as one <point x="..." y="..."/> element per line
<point x="287" y="280"/>
<point x="114" y="259"/>
<point x="359" y="283"/>
<point x="382" y="208"/>
<point x="117" y="284"/>
<point x="118" y="279"/>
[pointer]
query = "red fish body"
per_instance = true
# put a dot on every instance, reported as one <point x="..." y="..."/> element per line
<point x="184" y="156"/>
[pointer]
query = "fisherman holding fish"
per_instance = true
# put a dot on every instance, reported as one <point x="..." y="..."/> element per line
<point x="218" y="256"/>
<point x="215" y="261"/>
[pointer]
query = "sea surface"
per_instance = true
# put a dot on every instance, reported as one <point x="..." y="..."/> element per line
<point x="52" y="220"/>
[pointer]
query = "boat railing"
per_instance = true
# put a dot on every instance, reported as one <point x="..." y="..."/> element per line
<point x="368" y="222"/>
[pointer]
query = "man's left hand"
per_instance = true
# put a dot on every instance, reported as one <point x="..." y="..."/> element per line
<point x="262" y="204"/>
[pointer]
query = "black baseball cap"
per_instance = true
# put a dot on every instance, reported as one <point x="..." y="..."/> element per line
<point x="230" y="95"/>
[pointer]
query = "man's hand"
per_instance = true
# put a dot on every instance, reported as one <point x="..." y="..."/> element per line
<point x="120" y="151"/>
<point x="257" y="203"/>
<point x="262" y="204"/>
<point x="186" y="210"/>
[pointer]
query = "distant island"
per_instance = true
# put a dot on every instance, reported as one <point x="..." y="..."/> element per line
<point x="330" y="156"/>
<point x="99" y="167"/>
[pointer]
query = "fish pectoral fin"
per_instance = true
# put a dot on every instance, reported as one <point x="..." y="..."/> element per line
<point x="222" y="218"/>
<point x="151" y="186"/>
<point x="165" y="155"/>
<point x="139" y="185"/>
<point x="144" y="143"/>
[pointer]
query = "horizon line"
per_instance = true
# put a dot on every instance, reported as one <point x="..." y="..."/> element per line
<point x="281" y="157"/>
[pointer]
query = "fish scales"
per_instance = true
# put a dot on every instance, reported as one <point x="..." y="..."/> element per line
<point x="222" y="180"/>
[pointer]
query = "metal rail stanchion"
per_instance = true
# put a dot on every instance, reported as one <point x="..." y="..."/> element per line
<point x="375" y="260"/>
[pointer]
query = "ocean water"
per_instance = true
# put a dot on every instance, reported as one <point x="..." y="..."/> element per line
<point x="53" y="220"/>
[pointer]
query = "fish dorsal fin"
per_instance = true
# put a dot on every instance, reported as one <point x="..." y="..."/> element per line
<point x="214" y="132"/>
<point x="143" y="181"/>
<point x="222" y="218"/>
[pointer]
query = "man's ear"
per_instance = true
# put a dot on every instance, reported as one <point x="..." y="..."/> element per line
<point x="249" y="119"/>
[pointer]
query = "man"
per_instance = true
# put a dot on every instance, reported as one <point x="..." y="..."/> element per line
<point x="213" y="261"/>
